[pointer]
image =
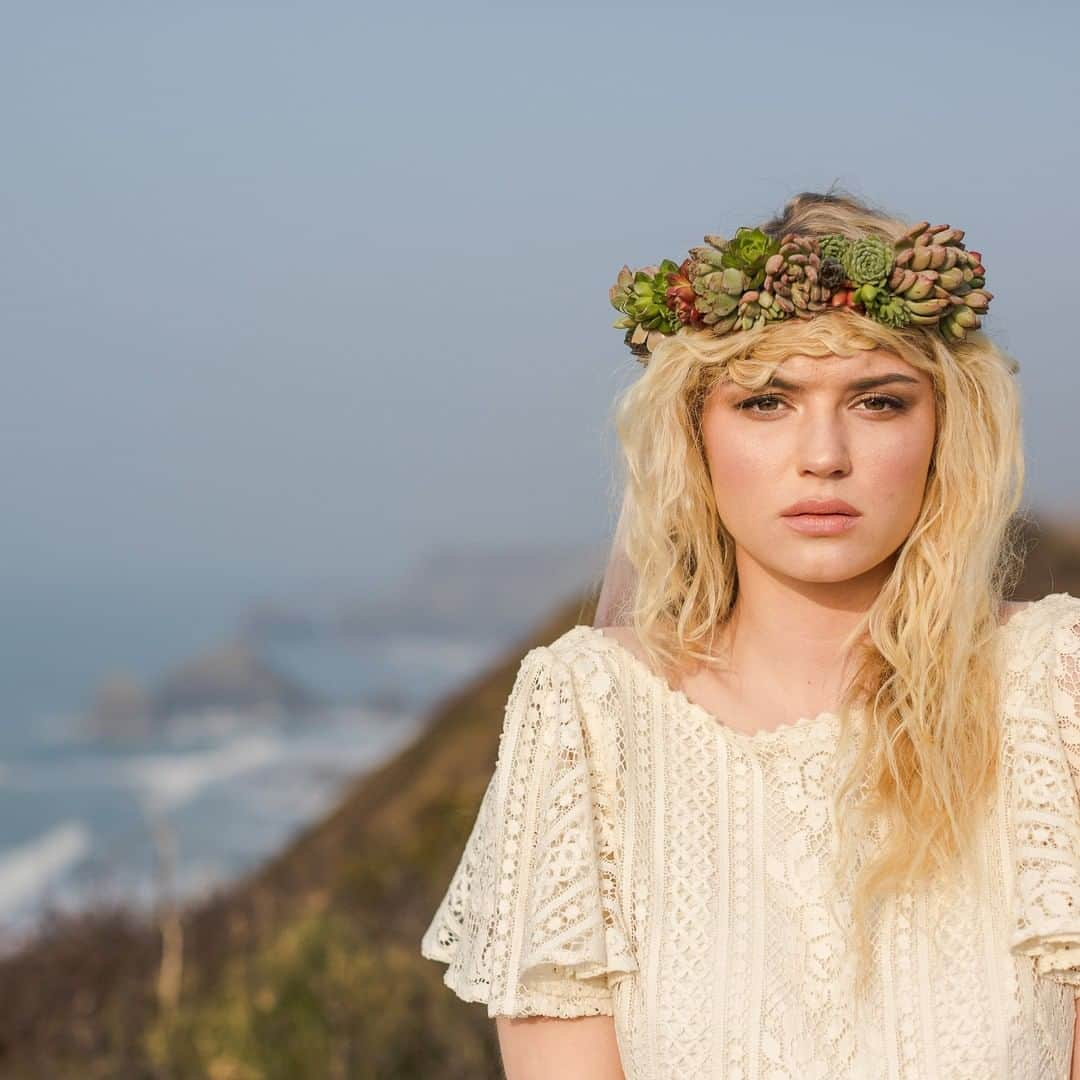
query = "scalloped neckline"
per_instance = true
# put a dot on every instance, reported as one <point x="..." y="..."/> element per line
<point x="677" y="694"/>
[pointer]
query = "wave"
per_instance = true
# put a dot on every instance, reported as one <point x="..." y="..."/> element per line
<point x="26" y="871"/>
<point x="168" y="781"/>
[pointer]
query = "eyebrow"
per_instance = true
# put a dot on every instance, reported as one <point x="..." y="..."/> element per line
<point x="858" y="384"/>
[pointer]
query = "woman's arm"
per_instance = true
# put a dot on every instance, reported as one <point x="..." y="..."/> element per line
<point x="550" y="1048"/>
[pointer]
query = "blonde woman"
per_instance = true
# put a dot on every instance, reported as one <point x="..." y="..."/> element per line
<point x="804" y="800"/>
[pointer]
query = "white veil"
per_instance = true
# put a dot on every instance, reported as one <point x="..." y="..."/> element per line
<point x="612" y="607"/>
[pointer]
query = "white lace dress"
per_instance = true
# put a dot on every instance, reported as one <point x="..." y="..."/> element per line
<point x="632" y="856"/>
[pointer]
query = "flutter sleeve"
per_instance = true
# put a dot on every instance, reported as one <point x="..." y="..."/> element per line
<point x="529" y="923"/>
<point x="1046" y="896"/>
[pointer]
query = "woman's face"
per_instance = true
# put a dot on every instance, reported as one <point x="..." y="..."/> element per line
<point x="822" y="437"/>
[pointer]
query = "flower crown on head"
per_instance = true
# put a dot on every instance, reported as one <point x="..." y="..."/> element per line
<point x="926" y="277"/>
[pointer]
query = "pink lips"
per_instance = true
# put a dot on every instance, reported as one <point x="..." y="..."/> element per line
<point x="821" y="524"/>
<point x="821" y="517"/>
<point x="820" y="506"/>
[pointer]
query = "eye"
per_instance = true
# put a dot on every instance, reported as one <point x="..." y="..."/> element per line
<point x="895" y="404"/>
<point x="747" y="405"/>
<point x="892" y="404"/>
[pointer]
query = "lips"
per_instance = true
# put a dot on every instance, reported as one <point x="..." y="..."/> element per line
<point x="819" y="507"/>
<point x="821" y="524"/>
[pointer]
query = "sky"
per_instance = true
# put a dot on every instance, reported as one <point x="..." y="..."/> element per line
<point x="302" y="291"/>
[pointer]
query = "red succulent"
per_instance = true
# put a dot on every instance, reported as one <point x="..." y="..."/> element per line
<point x="843" y="298"/>
<point x="680" y="295"/>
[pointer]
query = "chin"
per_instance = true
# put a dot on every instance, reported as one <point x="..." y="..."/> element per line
<point x="833" y="567"/>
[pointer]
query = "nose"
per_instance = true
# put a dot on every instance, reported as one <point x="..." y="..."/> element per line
<point x="822" y="442"/>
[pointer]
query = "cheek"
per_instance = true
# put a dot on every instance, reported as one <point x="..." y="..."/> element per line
<point x="738" y="455"/>
<point x="899" y="467"/>
<point x="737" y="465"/>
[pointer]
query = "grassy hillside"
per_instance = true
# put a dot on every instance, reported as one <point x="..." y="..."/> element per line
<point x="310" y="968"/>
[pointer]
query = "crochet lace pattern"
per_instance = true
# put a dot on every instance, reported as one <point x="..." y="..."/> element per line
<point x="633" y="856"/>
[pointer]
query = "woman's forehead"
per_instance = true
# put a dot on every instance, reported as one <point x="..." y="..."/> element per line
<point x="837" y="370"/>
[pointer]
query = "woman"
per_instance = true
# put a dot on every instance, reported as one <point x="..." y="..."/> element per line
<point x="803" y="801"/>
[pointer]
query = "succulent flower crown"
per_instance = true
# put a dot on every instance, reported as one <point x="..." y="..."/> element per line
<point x="926" y="277"/>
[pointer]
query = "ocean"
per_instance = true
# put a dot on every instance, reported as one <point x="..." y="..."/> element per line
<point x="84" y="822"/>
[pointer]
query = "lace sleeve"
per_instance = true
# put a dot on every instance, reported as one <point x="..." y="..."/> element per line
<point x="527" y="924"/>
<point x="1047" y="811"/>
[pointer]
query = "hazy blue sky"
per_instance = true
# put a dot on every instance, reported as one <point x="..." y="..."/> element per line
<point x="300" y="290"/>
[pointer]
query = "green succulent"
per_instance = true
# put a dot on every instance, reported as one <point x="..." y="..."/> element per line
<point x="869" y="261"/>
<point x="882" y="305"/>
<point x="833" y="246"/>
<point x="642" y="298"/>
<point x="748" y="250"/>
<point x="717" y="293"/>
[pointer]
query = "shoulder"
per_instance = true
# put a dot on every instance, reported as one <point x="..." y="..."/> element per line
<point x="588" y="665"/>
<point x="1063" y="620"/>
<point x="626" y="637"/>
<point x="1060" y="663"/>
<point x="585" y="651"/>
<point x="1039" y="627"/>
<point x="580" y="667"/>
<point x="596" y="658"/>
<point x="1051" y="603"/>
<point x="1043" y="676"/>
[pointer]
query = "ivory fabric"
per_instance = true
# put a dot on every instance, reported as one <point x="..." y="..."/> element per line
<point x="635" y="857"/>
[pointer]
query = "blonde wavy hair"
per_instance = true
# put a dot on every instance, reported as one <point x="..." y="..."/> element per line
<point x="924" y="657"/>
